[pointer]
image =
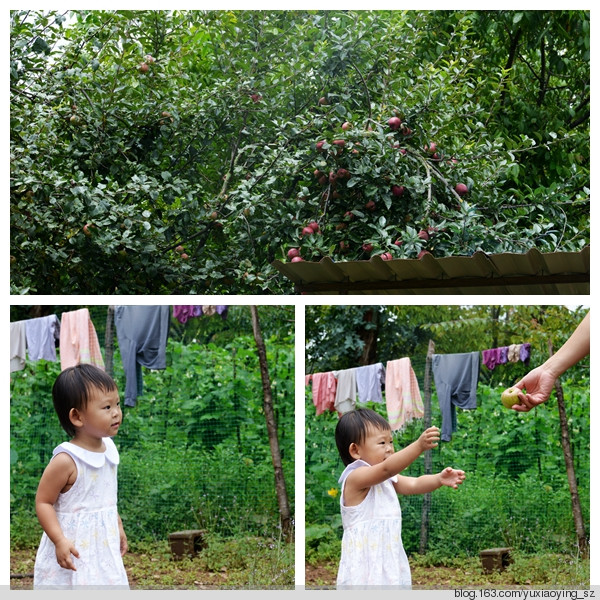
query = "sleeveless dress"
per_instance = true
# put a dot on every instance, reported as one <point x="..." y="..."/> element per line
<point x="372" y="551"/>
<point x="88" y="516"/>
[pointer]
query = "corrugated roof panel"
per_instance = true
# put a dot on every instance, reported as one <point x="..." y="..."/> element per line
<point x="532" y="272"/>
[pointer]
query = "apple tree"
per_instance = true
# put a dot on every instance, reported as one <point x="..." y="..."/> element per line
<point x="183" y="151"/>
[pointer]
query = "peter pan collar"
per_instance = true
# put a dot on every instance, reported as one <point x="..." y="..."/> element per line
<point x="93" y="459"/>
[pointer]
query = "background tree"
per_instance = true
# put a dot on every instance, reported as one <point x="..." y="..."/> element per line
<point x="183" y="151"/>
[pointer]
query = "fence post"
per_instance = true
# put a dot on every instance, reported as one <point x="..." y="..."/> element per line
<point x="109" y="341"/>
<point x="566" y="446"/>
<point x="428" y="460"/>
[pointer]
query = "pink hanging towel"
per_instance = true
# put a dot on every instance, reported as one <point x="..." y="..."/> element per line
<point x="324" y="386"/>
<point x="78" y="340"/>
<point x="402" y="395"/>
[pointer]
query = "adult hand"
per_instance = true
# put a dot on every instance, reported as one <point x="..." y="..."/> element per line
<point x="538" y="385"/>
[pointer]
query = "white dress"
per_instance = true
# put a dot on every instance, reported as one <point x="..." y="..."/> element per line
<point x="372" y="551"/>
<point x="88" y="516"/>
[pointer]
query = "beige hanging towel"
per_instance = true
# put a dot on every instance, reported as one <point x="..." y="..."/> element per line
<point x="402" y="394"/>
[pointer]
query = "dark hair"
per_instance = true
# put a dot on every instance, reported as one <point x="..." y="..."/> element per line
<point x="352" y="429"/>
<point x="72" y="388"/>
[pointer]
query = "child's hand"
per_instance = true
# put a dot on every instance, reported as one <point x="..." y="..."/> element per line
<point x="64" y="549"/>
<point x="452" y="477"/>
<point x="123" y="541"/>
<point x="429" y="438"/>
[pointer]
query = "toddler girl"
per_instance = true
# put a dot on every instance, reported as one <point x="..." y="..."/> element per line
<point x="76" y="501"/>
<point x="372" y="551"/>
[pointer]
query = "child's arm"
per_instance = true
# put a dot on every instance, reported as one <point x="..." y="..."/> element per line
<point x="122" y="537"/>
<point x="59" y="475"/>
<point x="361" y="479"/>
<point x="427" y="483"/>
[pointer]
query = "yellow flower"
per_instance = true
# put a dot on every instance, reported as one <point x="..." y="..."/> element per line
<point x="333" y="492"/>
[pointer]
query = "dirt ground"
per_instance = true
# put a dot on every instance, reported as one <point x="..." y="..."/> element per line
<point x="423" y="578"/>
<point x="164" y="574"/>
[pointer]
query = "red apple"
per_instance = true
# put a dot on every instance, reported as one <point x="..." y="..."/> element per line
<point x="406" y="130"/>
<point x="323" y="101"/>
<point x="423" y="253"/>
<point x="431" y="147"/>
<point x="339" y="143"/>
<point x="343" y="173"/>
<point x="367" y="247"/>
<point x="317" y="173"/>
<point x="255" y="98"/>
<point x="394" y="123"/>
<point x="87" y="229"/>
<point x="308" y="231"/>
<point x="346" y="126"/>
<point x="297" y="259"/>
<point x="398" y="242"/>
<point x="397" y="190"/>
<point x="423" y="235"/>
<point x="293" y="252"/>
<point x="184" y="256"/>
<point x="461" y="189"/>
<point x="314" y="226"/>
<point x="349" y="214"/>
<point x="332" y="177"/>
<point x="370" y="205"/>
<point x="149" y="58"/>
<point x="320" y="146"/>
<point x="179" y="249"/>
<point x="323" y="180"/>
<point x="386" y="256"/>
<point x="143" y="68"/>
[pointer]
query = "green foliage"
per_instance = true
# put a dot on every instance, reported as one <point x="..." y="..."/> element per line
<point x="213" y="147"/>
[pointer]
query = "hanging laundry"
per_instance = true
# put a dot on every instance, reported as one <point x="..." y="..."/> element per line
<point x="369" y="380"/>
<point x="495" y="356"/>
<point x="402" y="394"/>
<point x="78" y="340"/>
<point x="42" y="334"/>
<point x="18" y="345"/>
<point x="184" y="312"/>
<point x="345" y="393"/>
<point x="209" y="310"/>
<point x="525" y="352"/>
<point x="456" y="377"/>
<point x="142" y="333"/>
<point x="324" y="387"/>
<point x="514" y="351"/>
<point x="222" y="310"/>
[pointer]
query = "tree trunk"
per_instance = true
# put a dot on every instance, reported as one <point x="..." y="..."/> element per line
<point x="368" y="334"/>
<point x="109" y="341"/>
<point x="566" y="446"/>
<point x="282" y="499"/>
<point x="426" y="507"/>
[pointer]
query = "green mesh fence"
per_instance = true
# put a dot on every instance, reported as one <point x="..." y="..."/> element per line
<point x="194" y="450"/>
<point x="516" y="492"/>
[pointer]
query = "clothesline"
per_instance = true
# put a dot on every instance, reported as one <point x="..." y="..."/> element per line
<point x="456" y="377"/>
<point x="142" y="333"/>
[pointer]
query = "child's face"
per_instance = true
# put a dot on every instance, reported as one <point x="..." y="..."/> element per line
<point x="102" y="416"/>
<point x="376" y="447"/>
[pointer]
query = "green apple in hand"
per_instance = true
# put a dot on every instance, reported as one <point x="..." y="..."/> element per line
<point x="510" y="397"/>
